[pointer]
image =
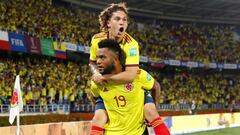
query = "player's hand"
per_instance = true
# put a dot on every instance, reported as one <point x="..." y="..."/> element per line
<point x="108" y="76"/>
<point x="99" y="79"/>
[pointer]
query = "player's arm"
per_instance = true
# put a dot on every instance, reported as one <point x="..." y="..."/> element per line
<point x="126" y="76"/>
<point x="93" y="57"/>
<point x="96" y="76"/>
<point x="149" y="83"/>
<point x="155" y="92"/>
<point x="94" y="93"/>
<point x="93" y="67"/>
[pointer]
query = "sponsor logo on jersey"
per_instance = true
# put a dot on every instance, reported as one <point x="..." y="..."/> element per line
<point x="149" y="77"/>
<point x="132" y="51"/>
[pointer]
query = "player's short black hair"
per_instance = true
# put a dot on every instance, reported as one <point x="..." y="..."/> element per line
<point x="114" y="46"/>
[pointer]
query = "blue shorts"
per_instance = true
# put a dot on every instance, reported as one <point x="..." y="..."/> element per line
<point x="100" y="105"/>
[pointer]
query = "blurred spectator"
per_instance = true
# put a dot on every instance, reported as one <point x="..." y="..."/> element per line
<point x="164" y="40"/>
<point x="43" y="80"/>
<point x="53" y="81"/>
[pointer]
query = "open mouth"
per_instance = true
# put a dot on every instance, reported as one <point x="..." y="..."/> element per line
<point x="121" y="29"/>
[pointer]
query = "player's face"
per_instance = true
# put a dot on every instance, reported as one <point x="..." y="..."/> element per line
<point x="117" y="25"/>
<point x="105" y="62"/>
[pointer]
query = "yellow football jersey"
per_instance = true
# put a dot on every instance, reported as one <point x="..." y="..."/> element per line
<point x="128" y="44"/>
<point x="124" y="104"/>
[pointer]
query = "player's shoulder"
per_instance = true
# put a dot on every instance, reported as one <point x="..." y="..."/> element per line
<point x="139" y="74"/>
<point x="129" y="39"/>
<point x="100" y="35"/>
<point x="143" y="74"/>
<point x="93" y="85"/>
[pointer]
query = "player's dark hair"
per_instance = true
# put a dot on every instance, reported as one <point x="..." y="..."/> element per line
<point x="106" y="14"/>
<point x="114" y="46"/>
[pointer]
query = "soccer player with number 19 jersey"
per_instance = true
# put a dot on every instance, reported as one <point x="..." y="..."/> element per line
<point x="124" y="103"/>
<point x="114" y="22"/>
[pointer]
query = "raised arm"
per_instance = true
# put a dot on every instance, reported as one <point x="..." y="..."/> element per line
<point x="93" y="68"/>
<point x="156" y="93"/>
<point x="96" y="76"/>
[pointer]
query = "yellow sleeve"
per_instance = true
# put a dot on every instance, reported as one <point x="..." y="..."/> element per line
<point x="146" y="80"/>
<point x="93" y="49"/>
<point x="132" y="53"/>
<point x="94" y="44"/>
<point x="94" y="89"/>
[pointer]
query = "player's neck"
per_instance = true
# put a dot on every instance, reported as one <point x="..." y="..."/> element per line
<point x="118" y="69"/>
<point x="118" y="39"/>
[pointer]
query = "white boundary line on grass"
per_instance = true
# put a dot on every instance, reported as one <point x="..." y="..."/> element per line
<point x="203" y="129"/>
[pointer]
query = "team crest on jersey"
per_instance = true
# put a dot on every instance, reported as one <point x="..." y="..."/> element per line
<point x="128" y="87"/>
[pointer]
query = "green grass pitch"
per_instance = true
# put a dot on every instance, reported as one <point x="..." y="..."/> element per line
<point x="226" y="131"/>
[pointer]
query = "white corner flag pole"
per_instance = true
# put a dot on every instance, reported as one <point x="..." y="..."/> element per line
<point x="20" y="107"/>
<point x="18" y="124"/>
<point x="16" y="104"/>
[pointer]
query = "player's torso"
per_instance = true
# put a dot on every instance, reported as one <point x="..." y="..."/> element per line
<point x="124" y="104"/>
<point x="124" y="95"/>
<point x="126" y="43"/>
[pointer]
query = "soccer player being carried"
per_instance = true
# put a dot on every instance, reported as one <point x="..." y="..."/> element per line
<point x="114" y="22"/>
<point x="124" y="103"/>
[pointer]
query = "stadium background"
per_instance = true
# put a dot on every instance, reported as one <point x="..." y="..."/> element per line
<point x="191" y="47"/>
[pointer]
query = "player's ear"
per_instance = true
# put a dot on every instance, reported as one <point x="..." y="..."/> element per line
<point x="115" y="58"/>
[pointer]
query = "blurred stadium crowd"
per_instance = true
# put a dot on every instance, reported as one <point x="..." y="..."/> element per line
<point x="45" y="81"/>
<point x="177" y="40"/>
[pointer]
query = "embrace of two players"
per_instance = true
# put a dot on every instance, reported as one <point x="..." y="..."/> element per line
<point x="119" y="87"/>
